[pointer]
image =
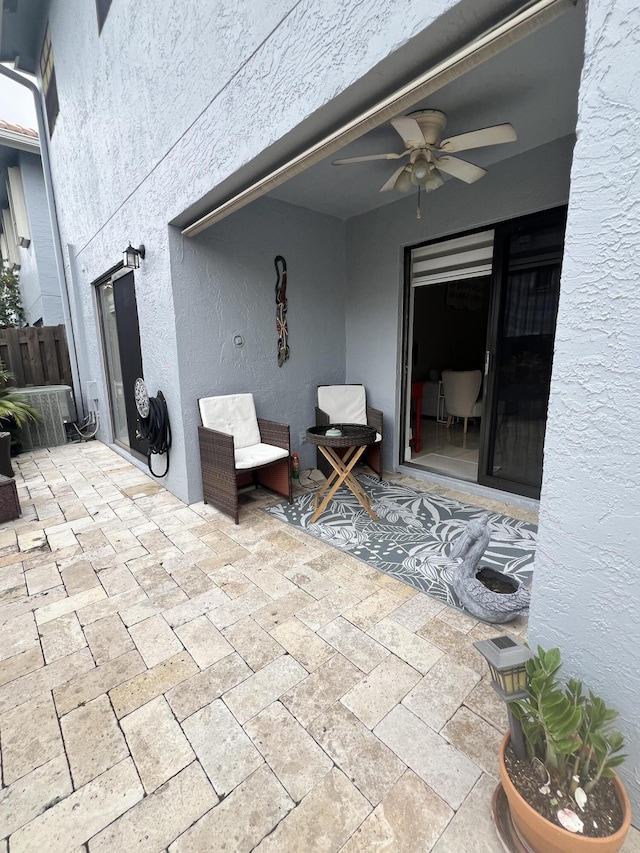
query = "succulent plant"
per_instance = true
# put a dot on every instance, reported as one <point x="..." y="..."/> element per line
<point x="568" y="731"/>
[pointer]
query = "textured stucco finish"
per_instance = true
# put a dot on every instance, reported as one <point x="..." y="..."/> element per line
<point x="224" y="283"/>
<point x="208" y="87"/>
<point x="587" y="580"/>
<point x="39" y="283"/>
<point x="537" y="180"/>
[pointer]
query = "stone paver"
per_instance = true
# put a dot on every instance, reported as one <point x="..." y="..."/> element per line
<point x="365" y="759"/>
<point x="321" y="689"/>
<point x="30" y="737"/>
<point x="303" y="644"/>
<point x="295" y="757"/>
<point x="61" y="637"/>
<point x="157" y="820"/>
<point x="172" y="681"/>
<point x="108" y="638"/>
<point x="93" y="740"/>
<point x="202" y="688"/>
<point x="449" y="772"/>
<point x="323" y="821"/>
<point x="81" y="815"/>
<point x="354" y="644"/>
<point x="155" y="640"/>
<point x="377" y="693"/>
<point x="157" y="743"/>
<point x="134" y="692"/>
<point x="253" y="643"/>
<point x="29" y="796"/>
<point x="440" y="693"/>
<point x="241" y="820"/>
<point x="410" y="819"/>
<point x="223" y="748"/>
<point x="268" y="684"/>
<point x="203" y="641"/>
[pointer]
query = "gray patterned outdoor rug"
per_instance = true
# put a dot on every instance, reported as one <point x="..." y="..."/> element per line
<point x="413" y="536"/>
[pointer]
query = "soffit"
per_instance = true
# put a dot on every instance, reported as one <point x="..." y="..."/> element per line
<point x="21" y="31"/>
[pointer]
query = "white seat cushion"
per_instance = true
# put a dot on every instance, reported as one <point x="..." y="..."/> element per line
<point x="345" y="404"/>
<point x="258" y="454"/>
<point x="234" y="414"/>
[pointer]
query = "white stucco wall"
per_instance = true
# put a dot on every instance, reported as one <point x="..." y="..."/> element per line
<point x="224" y="283"/>
<point x="38" y="277"/>
<point x="587" y="580"/>
<point x="537" y="180"/>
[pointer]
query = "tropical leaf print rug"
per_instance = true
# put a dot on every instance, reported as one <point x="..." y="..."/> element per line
<point x="413" y="535"/>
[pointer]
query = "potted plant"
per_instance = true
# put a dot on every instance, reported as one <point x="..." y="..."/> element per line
<point x="14" y="412"/>
<point x="565" y="797"/>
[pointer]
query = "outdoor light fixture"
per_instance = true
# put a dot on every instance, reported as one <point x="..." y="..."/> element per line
<point x="132" y="256"/>
<point x="507" y="659"/>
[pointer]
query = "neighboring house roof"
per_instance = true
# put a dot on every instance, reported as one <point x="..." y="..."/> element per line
<point x="16" y="136"/>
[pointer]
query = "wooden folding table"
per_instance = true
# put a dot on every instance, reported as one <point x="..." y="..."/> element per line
<point x="353" y="440"/>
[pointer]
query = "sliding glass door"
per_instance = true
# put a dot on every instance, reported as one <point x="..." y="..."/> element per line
<point x="525" y="292"/>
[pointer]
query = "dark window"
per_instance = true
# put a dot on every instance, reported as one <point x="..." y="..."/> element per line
<point x="102" y="10"/>
<point x="48" y="74"/>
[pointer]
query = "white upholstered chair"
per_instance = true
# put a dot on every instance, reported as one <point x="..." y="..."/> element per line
<point x="347" y="404"/>
<point x="461" y="389"/>
<point x="237" y="449"/>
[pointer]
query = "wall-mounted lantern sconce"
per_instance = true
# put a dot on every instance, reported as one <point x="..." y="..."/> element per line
<point x="132" y="256"/>
<point x="507" y="663"/>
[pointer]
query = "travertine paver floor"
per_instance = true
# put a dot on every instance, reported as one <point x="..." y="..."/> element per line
<point x="169" y="680"/>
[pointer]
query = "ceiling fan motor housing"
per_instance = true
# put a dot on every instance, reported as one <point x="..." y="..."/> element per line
<point x="432" y="123"/>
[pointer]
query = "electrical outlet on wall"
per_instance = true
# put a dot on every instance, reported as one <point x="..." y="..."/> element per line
<point x="302" y="437"/>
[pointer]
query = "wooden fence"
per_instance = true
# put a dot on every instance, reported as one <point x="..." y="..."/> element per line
<point x="36" y="355"/>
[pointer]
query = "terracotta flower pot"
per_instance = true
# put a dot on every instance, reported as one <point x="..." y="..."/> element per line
<point x="545" y="837"/>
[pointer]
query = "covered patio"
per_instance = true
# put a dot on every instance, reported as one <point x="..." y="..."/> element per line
<point x="132" y="625"/>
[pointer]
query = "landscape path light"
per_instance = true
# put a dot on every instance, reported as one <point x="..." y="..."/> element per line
<point x="507" y="660"/>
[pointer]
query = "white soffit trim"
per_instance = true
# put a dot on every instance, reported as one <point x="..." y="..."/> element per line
<point x="519" y="25"/>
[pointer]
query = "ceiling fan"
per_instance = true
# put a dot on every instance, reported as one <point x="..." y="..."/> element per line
<point x="429" y="155"/>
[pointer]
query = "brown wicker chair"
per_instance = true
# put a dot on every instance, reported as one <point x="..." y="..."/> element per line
<point x="348" y="404"/>
<point x="238" y="449"/>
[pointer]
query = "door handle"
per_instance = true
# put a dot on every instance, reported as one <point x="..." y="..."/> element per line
<point x="487" y="362"/>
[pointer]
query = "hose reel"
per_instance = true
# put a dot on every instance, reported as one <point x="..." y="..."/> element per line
<point x="153" y="424"/>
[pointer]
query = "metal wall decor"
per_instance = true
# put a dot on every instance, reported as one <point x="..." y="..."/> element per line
<point x="281" y="309"/>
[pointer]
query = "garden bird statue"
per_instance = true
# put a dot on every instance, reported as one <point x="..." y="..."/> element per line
<point x="481" y="601"/>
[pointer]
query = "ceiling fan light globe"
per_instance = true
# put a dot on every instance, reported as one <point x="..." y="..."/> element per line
<point x="420" y="170"/>
<point x="433" y="181"/>
<point x="403" y="184"/>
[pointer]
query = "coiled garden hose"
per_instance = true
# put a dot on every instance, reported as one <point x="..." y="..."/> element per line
<point x="156" y="430"/>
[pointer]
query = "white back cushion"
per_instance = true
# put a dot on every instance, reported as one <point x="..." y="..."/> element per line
<point x="345" y="404"/>
<point x="234" y="414"/>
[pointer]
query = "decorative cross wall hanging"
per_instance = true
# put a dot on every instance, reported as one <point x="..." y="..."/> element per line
<point x="281" y="310"/>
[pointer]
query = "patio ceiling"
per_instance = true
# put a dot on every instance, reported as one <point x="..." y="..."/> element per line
<point x="533" y="84"/>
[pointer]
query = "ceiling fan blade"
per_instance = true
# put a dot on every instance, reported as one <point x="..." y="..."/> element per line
<point x="495" y="135"/>
<point x="391" y="183"/>
<point x="368" y="157"/>
<point x="460" y="169"/>
<point x="409" y="130"/>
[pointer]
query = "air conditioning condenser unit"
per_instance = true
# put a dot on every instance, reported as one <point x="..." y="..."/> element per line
<point x="57" y="408"/>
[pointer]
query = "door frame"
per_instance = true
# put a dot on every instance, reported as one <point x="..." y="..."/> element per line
<point x="109" y="277"/>
<point x="502" y="229"/>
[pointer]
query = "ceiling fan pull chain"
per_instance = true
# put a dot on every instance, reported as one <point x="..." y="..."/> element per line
<point x="418" y="211"/>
